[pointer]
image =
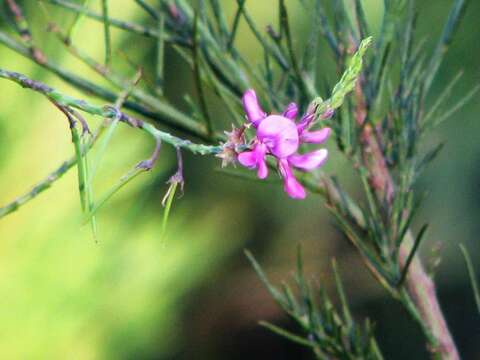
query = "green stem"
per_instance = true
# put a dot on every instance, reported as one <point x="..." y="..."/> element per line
<point x="159" y="81"/>
<point x="124" y="25"/>
<point x="38" y="188"/>
<point x="80" y="168"/>
<point x="198" y="78"/>
<point x="48" y="181"/>
<point x="471" y="275"/>
<point x="108" y="112"/>
<point x="142" y="97"/>
<point x="121" y="183"/>
<point x="165" y="114"/>
<point x="104" y="111"/>
<point x="106" y="30"/>
<point x="293" y="58"/>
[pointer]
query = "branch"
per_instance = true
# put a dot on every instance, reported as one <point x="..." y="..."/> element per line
<point x="157" y="111"/>
<point x="107" y="112"/>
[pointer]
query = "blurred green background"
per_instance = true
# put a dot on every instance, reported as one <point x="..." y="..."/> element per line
<point x="192" y="294"/>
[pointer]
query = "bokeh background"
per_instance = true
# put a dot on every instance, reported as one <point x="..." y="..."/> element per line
<point x="192" y="294"/>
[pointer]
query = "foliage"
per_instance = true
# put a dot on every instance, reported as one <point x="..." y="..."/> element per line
<point x="328" y="332"/>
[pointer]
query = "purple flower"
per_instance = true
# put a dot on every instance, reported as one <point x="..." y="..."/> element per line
<point x="280" y="137"/>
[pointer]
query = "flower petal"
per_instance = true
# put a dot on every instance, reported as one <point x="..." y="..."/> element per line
<point x="255" y="159"/>
<point x="291" y="111"/>
<point x="294" y="189"/>
<point x="262" y="171"/>
<point x="279" y="134"/>
<point x="305" y="122"/>
<point x="309" y="161"/>
<point x="315" y="137"/>
<point x="255" y="114"/>
<point x="248" y="159"/>
<point x="327" y="114"/>
<point x="291" y="186"/>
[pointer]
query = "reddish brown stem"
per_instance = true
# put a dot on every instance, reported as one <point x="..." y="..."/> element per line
<point x="422" y="291"/>
<point x="419" y="286"/>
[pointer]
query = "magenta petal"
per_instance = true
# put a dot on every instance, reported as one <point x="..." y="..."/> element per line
<point x="291" y="186"/>
<point x="255" y="159"/>
<point x="309" y="161"/>
<point x="279" y="134"/>
<point x="248" y="159"/>
<point x="315" y="137"/>
<point x="327" y="114"/>
<point x="262" y="171"/>
<point x="305" y="122"/>
<point x="291" y="111"/>
<point x="255" y="114"/>
<point x="294" y="189"/>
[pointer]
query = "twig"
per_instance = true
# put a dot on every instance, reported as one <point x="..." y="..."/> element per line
<point x="159" y="81"/>
<point x="132" y="27"/>
<point x="293" y="58"/>
<point x="236" y="21"/>
<point x="24" y="31"/>
<point x="108" y="112"/>
<point x="149" y="9"/>
<point x="106" y="30"/>
<point x="166" y="114"/>
<point x="198" y="79"/>
<point x="273" y="50"/>
<point x="39" y="187"/>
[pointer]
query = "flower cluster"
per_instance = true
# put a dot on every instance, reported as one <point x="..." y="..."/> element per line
<point x="280" y="136"/>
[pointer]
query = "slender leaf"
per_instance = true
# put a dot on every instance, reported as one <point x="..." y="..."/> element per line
<point x="472" y="275"/>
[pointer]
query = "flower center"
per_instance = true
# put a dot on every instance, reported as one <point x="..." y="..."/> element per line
<point x="279" y="134"/>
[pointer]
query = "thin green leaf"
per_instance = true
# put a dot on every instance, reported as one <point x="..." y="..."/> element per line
<point x="150" y="10"/>
<point x="429" y="156"/>
<point x="80" y="166"/>
<point x="453" y="21"/>
<point x="111" y="125"/>
<point x="102" y="147"/>
<point x="159" y="81"/>
<point x="286" y="334"/>
<point x="332" y="40"/>
<point x="244" y="175"/>
<point x="293" y="58"/>
<point x="442" y="97"/>
<point x="77" y="20"/>
<point x="460" y="104"/>
<point x="219" y="16"/>
<point x="124" y="180"/>
<point x="198" y="77"/>
<point x="472" y="275"/>
<point x="168" y="205"/>
<point x="272" y="49"/>
<point x="89" y="190"/>
<point x="106" y="30"/>
<point x="263" y="277"/>
<point x="341" y="293"/>
<point x="361" y="19"/>
<point x="236" y="21"/>
<point x="124" y="25"/>
<point x="412" y="254"/>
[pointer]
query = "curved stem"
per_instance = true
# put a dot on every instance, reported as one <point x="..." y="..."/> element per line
<point x="418" y="294"/>
<point x="422" y="292"/>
